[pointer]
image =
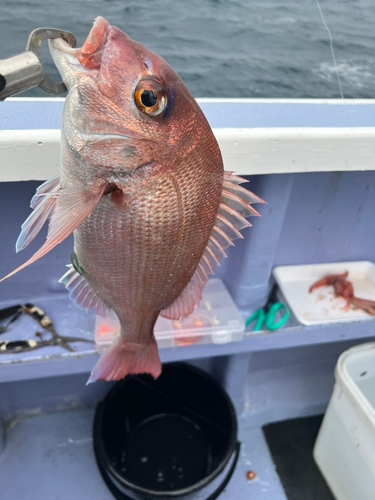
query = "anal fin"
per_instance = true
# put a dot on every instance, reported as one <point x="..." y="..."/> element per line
<point x="81" y="293"/>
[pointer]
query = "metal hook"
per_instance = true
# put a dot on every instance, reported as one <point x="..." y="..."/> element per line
<point x="24" y="71"/>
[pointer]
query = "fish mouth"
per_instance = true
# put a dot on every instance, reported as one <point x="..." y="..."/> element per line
<point x="72" y="63"/>
<point x="87" y="58"/>
<point x="91" y="51"/>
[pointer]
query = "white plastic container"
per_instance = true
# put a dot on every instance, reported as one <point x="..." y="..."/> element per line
<point x="216" y="320"/>
<point x="321" y="306"/>
<point x="345" y="447"/>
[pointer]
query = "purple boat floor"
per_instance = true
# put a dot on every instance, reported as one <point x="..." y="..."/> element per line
<point x="50" y="457"/>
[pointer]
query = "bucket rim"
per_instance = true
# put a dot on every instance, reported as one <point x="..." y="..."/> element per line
<point x="104" y="463"/>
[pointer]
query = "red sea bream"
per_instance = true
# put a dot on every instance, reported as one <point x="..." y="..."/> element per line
<point x="142" y="186"/>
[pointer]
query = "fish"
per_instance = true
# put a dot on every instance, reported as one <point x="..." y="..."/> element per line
<point x="143" y="188"/>
<point x="330" y="279"/>
<point x="344" y="288"/>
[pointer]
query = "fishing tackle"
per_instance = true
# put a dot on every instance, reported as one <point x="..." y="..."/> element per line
<point x="24" y="71"/>
<point x="17" y="346"/>
<point x="76" y="264"/>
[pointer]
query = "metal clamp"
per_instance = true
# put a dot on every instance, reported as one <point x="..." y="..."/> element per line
<point x="24" y="71"/>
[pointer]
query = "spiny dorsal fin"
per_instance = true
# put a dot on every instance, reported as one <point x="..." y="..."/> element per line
<point x="235" y="206"/>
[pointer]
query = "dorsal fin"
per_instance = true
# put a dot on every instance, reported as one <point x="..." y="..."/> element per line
<point x="231" y="217"/>
<point x="81" y="293"/>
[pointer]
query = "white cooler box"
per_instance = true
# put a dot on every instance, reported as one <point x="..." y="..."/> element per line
<point x="345" y="447"/>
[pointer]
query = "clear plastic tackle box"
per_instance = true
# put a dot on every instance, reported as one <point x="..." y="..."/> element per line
<point x="216" y="320"/>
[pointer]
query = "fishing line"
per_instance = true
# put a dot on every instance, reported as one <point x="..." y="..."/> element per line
<point x="320" y="248"/>
<point x="331" y="45"/>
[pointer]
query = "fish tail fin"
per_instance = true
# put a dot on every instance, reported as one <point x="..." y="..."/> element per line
<point x="124" y="358"/>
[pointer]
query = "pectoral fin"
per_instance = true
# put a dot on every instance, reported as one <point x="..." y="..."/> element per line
<point x="70" y="208"/>
<point x="43" y="203"/>
<point x="44" y="189"/>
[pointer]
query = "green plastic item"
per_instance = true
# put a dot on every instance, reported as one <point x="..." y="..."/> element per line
<point x="268" y="318"/>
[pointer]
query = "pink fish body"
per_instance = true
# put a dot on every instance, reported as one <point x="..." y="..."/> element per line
<point x="142" y="186"/>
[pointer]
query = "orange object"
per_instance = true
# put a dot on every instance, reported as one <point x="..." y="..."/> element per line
<point x="250" y="475"/>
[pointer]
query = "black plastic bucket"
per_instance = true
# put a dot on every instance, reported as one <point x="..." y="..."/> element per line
<point x="166" y="438"/>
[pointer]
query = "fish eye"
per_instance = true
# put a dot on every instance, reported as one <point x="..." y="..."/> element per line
<point x="150" y="97"/>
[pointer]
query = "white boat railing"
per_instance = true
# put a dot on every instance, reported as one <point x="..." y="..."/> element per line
<point x="256" y="136"/>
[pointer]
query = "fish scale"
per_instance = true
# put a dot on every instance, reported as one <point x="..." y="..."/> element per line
<point x="133" y="256"/>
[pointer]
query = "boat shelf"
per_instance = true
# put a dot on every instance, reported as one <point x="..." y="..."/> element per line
<point x="70" y="320"/>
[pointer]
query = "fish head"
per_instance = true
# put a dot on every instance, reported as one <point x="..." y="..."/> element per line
<point x="126" y="106"/>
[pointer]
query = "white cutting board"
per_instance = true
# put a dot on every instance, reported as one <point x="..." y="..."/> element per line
<point x="321" y="306"/>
